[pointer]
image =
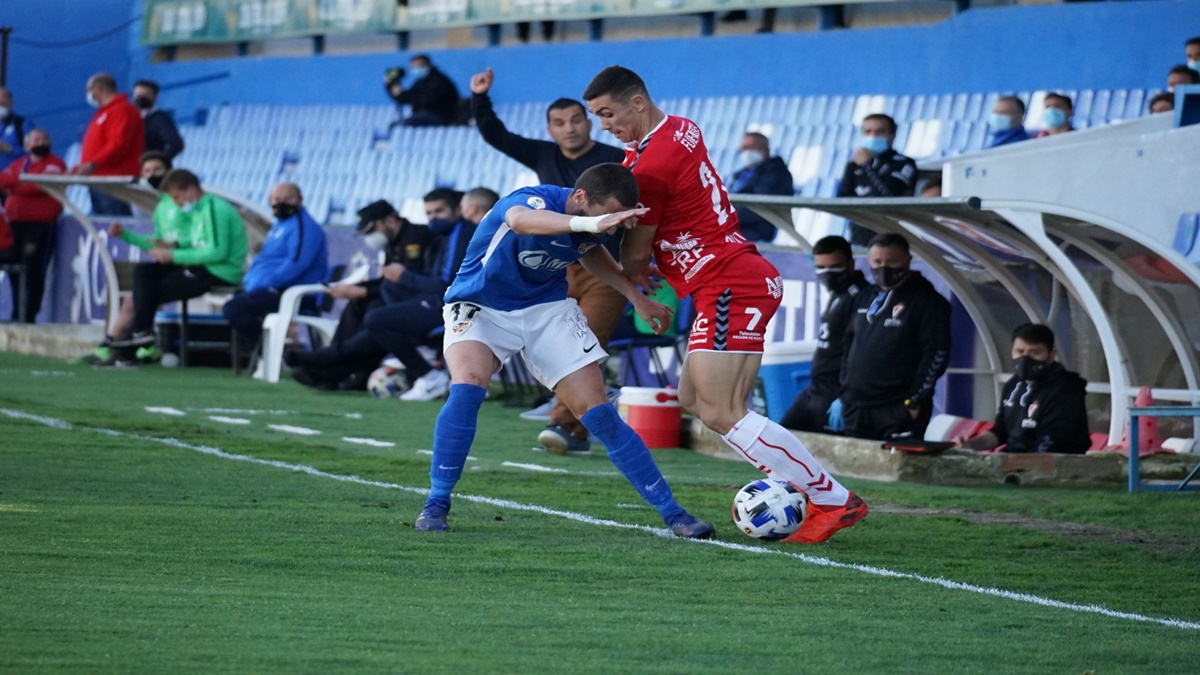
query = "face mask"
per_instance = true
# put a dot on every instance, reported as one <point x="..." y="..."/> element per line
<point x="889" y="277"/>
<point x="376" y="240"/>
<point x="143" y="102"/>
<point x="39" y="150"/>
<point x="92" y="100"/>
<point x="1029" y="368"/>
<point x="874" y="144"/>
<point x="1194" y="65"/>
<point x="4" y="111"/>
<point x="441" y="225"/>
<point x="833" y="278"/>
<point x="154" y="181"/>
<point x="187" y="207"/>
<point x="751" y="157"/>
<point x="420" y="72"/>
<point x="1054" y="118"/>
<point x="998" y="122"/>
<point x="283" y="210"/>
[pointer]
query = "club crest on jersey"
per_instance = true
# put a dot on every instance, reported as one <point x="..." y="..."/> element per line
<point x="536" y="203"/>
<point x="895" y="321"/>
<point x="775" y="287"/>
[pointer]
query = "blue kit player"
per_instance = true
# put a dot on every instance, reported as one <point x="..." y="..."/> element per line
<point x="511" y="296"/>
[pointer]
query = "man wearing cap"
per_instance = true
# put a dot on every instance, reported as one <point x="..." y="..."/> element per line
<point x="351" y="355"/>
<point x="294" y="253"/>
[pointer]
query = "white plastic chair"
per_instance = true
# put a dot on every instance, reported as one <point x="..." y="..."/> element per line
<point x="275" y="325"/>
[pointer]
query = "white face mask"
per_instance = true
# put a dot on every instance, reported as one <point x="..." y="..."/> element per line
<point x="376" y="240"/>
<point x="92" y="100"/>
<point x="3" y="111"/>
<point x="751" y="157"/>
<point x="187" y="207"/>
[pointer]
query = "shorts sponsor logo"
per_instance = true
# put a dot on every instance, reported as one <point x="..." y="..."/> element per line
<point x="536" y="203"/>
<point x="775" y="287"/>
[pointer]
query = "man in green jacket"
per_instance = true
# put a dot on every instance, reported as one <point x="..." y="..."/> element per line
<point x="211" y="252"/>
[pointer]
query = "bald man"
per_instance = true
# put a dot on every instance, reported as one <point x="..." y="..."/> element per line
<point x="294" y="253"/>
<point x="113" y="142"/>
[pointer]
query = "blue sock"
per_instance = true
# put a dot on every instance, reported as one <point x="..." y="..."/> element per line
<point x="452" y="437"/>
<point x="631" y="456"/>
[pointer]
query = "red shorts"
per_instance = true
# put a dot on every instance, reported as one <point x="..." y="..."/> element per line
<point x="733" y="308"/>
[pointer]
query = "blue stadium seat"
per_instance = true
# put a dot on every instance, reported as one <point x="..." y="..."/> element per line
<point x="1116" y="105"/>
<point x="1099" y="112"/>
<point x="1185" y="234"/>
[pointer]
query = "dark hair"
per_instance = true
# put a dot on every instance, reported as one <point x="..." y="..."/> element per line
<point x="486" y="197"/>
<point x="833" y="244"/>
<point x="564" y="104"/>
<point x="609" y="180"/>
<point x="422" y="57"/>
<point x="149" y="84"/>
<point x="616" y="81"/>
<point x="1182" y="69"/>
<point x="1163" y="96"/>
<point x="1015" y="101"/>
<point x="889" y="240"/>
<point x="1034" y="334"/>
<point x="105" y="81"/>
<point x="451" y="197"/>
<point x="179" y="179"/>
<point x="156" y="156"/>
<point x="1062" y="97"/>
<point x="1192" y="41"/>
<point x="761" y="138"/>
<point x="886" y="118"/>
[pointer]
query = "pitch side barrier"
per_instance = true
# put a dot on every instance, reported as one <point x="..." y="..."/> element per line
<point x="143" y="197"/>
<point x="1126" y="308"/>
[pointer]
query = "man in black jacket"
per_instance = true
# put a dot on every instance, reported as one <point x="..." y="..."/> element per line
<point x="834" y="263"/>
<point x="876" y="170"/>
<point x="896" y="347"/>
<point x="433" y="96"/>
<point x="560" y="163"/>
<point x="161" y="133"/>
<point x="761" y="174"/>
<point x="1043" y="407"/>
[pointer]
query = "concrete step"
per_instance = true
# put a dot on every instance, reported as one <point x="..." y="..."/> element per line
<point x="60" y="341"/>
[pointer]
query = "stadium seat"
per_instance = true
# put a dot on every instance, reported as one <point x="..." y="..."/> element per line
<point x="1185" y="234"/>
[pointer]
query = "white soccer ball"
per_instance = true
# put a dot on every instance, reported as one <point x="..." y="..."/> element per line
<point x="387" y="382"/>
<point x="769" y="509"/>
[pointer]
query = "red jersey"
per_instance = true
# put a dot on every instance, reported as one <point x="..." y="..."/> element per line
<point x="697" y="228"/>
<point x="114" y="139"/>
<point x="26" y="201"/>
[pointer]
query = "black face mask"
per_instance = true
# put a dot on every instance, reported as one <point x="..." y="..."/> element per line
<point x="39" y="150"/>
<point x="143" y="102"/>
<point x="283" y="210"/>
<point x="1029" y="368"/>
<point x="155" y="181"/>
<point x="834" y="278"/>
<point x="889" y="277"/>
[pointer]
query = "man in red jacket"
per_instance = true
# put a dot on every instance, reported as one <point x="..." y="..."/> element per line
<point x="113" y="142"/>
<point x="32" y="214"/>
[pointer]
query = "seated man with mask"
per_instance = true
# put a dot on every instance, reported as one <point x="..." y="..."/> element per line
<point x="1042" y="405"/>
<point x="761" y="174"/>
<point x="293" y="253"/>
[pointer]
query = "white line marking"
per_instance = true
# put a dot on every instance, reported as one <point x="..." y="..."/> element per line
<point x="228" y="420"/>
<point x="243" y="411"/>
<point x="161" y="410"/>
<point x="656" y="531"/>
<point x="38" y="373"/>
<point x="534" y="467"/>
<point x="430" y="453"/>
<point x="354" y="416"/>
<point x="369" y="441"/>
<point x="289" y="429"/>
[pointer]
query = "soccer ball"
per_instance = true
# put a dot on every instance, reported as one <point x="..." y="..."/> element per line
<point x="769" y="509"/>
<point x="387" y="382"/>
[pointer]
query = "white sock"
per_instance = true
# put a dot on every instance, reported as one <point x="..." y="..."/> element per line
<point x="778" y="453"/>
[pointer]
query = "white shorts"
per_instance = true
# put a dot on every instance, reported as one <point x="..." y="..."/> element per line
<point x="553" y="337"/>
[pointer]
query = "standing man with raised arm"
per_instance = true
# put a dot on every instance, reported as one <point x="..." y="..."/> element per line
<point x="691" y="232"/>
<point x="560" y="163"/>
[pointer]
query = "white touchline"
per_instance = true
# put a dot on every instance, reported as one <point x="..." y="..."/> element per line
<point x="430" y="453"/>
<point x="165" y="411"/>
<point x="228" y="420"/>
<point x="601" y="522"/>
<point x="369" y="441"/>
<point x="289" y="429"/>
<point x="533" y="467"/>
<point x="244" y="411"/>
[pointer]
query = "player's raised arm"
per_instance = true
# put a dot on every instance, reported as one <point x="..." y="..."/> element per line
<point x="600" y="263"/>
<point x="534" y="222"/>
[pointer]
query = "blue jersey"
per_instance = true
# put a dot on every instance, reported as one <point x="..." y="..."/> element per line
<point x="507" y="271"/>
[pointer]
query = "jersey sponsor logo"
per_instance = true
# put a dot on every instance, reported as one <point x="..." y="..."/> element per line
<point x="734" y="237"/>
<point x="541" y="260"/>
<point x="536" y="203"/>
<point x="688" y="136"/>
<point x="687" y="254"/>
<point x="775" y="287"/>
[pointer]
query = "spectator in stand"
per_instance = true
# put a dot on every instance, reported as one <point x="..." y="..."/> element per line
<point x="113" y="142"/>
<point x="433" y="96"/>
<point x="560" y="163"/>
<point x="761" y="174"/>
<point x="1191" y="50"/>
<point x="349" y="359"/>
<point x="876" y="169"/>
<point x="161" y="133"/>
<point x="213" y="255"/>
<point x="1007" y="122"/>
<point x="896" y="347"/>
<point x="414" y="298"/>
<point x="12" y="130"/>
<point x="1056" y="115"/>
<point x="32" y="216"/>
<point x="293" y="253"/>
<point x="834" y="263"/>
<point x="1181" y="74"/>
<point x="1043" y="405"/>
<point x="1161" y="103"/>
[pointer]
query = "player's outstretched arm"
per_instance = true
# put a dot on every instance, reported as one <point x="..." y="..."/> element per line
<point x="533" y="222"/>
<point x="637" y="250"/>
<point x="600" y="263"/>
